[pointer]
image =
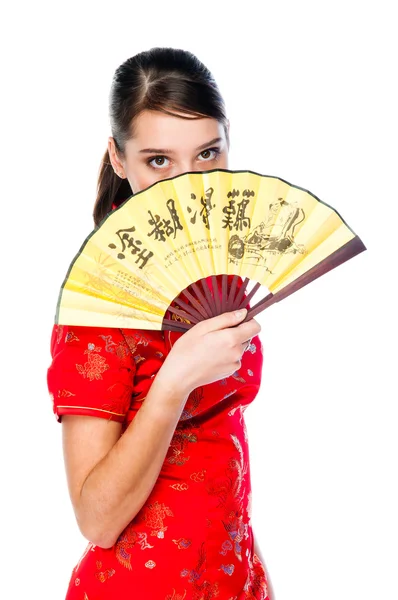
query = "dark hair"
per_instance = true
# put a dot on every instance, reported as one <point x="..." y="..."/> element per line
<point x="164" y="79"/>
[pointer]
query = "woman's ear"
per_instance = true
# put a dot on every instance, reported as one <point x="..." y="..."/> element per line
<point x="113" y="157"/>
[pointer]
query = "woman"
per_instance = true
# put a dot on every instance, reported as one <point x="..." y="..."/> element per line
<point x="161" y="487"/>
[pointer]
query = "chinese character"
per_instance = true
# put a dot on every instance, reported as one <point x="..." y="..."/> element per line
<point x="129" y="242"/>
<point x="163" y="229"/>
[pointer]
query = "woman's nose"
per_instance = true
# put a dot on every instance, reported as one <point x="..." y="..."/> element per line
<point x="188" y="167"/>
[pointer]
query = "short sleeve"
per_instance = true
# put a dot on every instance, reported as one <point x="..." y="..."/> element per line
<point x="91" y="373"/>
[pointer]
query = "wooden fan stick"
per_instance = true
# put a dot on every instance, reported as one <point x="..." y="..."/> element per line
<point x="176" y="325"/>
<point x="224" y="293"/>
<point x="240" y="294"/>
<point x="209" y="297"/>
<point x="249" y="296"/>
<point x="208" y="301"/>
<point x="193" y="316"/>
<point x="196" y="315"/>
<point x="183" y="314"/>
<point x="228" y="295"/>
<point x="170" y="325"/>
<point x="203" y="302"/>
<point x="231" y="296"/>
<point x="216" y="294"/>
<point x="349" y="250"/>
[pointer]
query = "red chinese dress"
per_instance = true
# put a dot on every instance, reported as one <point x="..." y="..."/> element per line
<point x="192" y="539"/>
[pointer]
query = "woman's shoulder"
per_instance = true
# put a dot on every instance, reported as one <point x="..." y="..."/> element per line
<point x="94" y="370"/>
<point x="136" y="344"/>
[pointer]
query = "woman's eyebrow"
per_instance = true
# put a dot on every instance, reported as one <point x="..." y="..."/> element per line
<point x="169" y="151"/>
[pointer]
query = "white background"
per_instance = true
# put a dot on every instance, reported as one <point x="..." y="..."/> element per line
<point x="309" y="89"/>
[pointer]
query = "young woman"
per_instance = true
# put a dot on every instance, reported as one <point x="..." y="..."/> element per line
<point x="155" y="444"/>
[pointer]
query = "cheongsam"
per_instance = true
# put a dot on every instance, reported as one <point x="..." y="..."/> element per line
<point x="193" y="538"/>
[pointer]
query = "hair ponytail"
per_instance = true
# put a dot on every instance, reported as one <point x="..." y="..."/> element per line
<point x="111" y="190"/>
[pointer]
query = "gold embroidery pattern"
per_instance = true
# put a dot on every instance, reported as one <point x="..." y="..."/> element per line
<point x="205" y="589"/>
<point x="192" y="405"/>
<point x="90" y="408"/>
<point x="256" y="585"/>
<point x="65" y="394"/>
<point x="231" y="494"/>
<point x="182" y="543"/>
<point x="175" y="596"/>
<point x="95" y="365"/>
<point x="71" y="337"/>
<point x="133" y="339"/>
<point x="150" y="564"/>
<point x="199" y="476"/>
<point x="180" y="487"/>
<point x="154" y="515"/>
<point x="102" y="576"/>
<point x="183" y="435"/>
<point x="127" y="540"/>
<point x="60" y="331"/>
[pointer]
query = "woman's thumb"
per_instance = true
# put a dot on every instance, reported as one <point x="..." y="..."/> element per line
<point x="240" y="314"/>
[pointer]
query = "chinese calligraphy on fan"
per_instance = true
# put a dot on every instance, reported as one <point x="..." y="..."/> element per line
<point x="163" y="227"/>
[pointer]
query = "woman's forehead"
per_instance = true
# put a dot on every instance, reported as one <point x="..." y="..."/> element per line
<point x="155" y="131"/>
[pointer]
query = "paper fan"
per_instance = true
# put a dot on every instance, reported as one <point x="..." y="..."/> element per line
<point x="183" y="232"/>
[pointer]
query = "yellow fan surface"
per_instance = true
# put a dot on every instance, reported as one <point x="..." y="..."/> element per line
<point x="197" y="225"/>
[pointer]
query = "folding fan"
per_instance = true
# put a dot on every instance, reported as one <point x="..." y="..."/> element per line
<point x="184" y="232"/>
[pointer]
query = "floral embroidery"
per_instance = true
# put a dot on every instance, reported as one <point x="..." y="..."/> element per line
<point x="95" y="365"/>
<point x="154" y="515"/>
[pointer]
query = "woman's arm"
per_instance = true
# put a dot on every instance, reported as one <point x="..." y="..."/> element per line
<point x="110" y="477"/>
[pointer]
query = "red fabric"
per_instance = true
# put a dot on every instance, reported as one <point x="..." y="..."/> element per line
<point x="192" y="539"/>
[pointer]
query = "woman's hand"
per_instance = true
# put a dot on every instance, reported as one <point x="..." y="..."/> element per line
<point x="211" y="350"/>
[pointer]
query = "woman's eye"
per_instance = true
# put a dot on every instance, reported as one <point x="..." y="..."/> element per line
<point x="215" y="150"/>
<point x="156" y="158"/>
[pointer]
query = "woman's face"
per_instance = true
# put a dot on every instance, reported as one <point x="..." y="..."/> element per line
<point x="165" y="146"/>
